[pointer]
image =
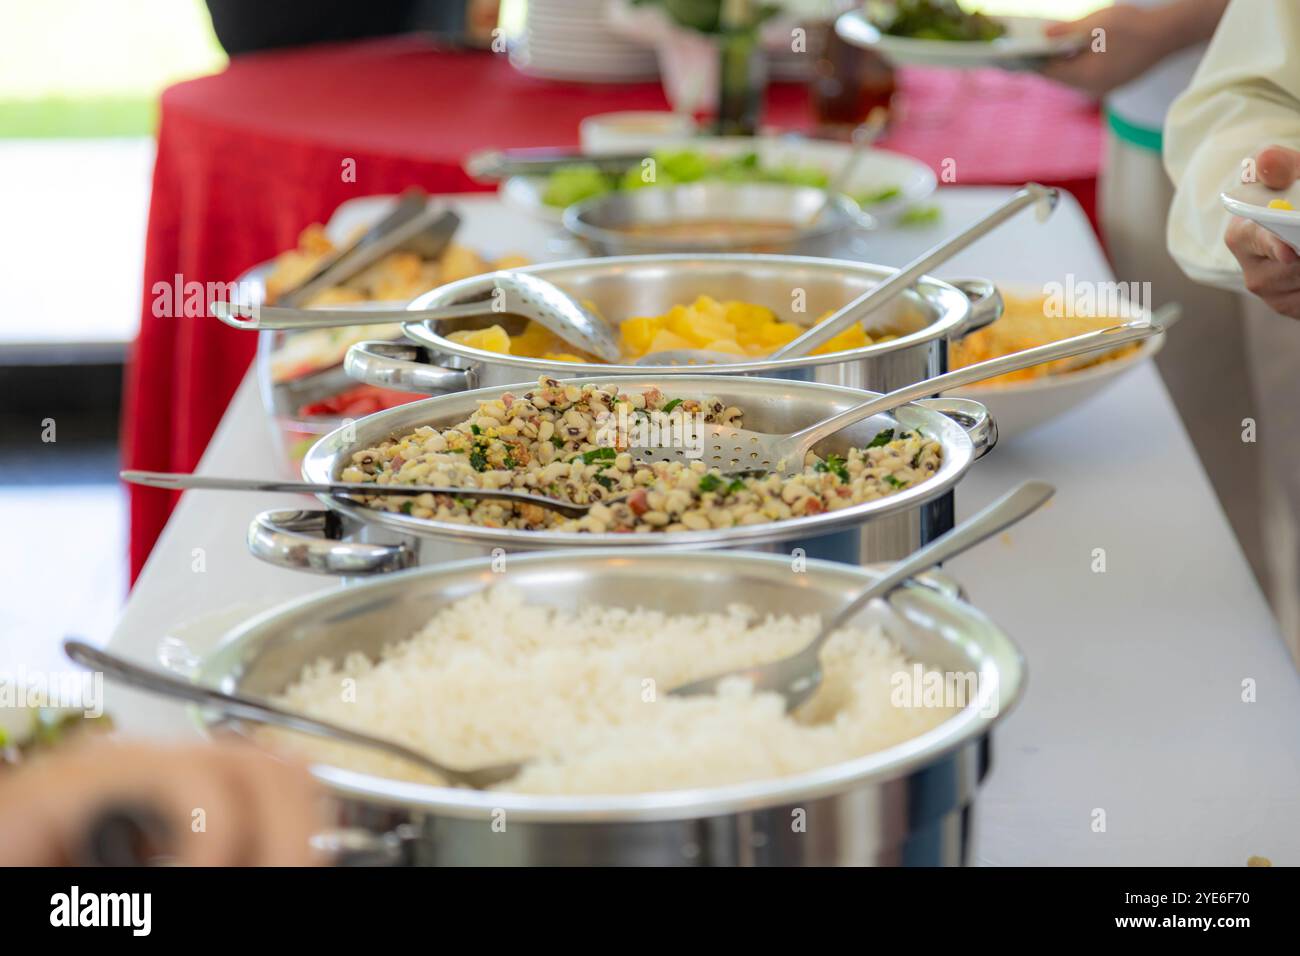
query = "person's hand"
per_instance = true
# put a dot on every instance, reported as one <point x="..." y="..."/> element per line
<point x="208" y="805"/>
<point x="1270" y="267"/>
<point x="1136" y="38"/>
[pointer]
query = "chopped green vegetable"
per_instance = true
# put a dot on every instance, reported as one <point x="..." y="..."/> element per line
<point x="939" y="20"/>
<point x="879" y="196"/>
<point x="476" y="430"/>
<point x="683" y="165"/>
<point x="407" y="506"/>
<point x="883" y="438"/>
<point x="557" y="441"/>
<point x="599" y="454"/>
<point x="478" y="458"/>
<point x="710" y="482"/>
<point x="894" y="482"/>
<point x="673" y="404"/>
<point x="737" y="484"/>
<point x="573" y="184"/>
<point x="921" y="216"/>
<point x="605" y="480"/>
<point x="834" y="465"/>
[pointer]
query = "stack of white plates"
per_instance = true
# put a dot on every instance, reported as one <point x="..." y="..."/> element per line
<point x="569" y="40"/>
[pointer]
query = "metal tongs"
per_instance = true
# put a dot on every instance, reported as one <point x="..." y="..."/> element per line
<point x="413" y="223"/>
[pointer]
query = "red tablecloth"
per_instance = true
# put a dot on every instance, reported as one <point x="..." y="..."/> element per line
<point x="250" y="156"/>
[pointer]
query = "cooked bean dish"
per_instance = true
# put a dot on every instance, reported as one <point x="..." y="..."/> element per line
<point x="571" y="442"/>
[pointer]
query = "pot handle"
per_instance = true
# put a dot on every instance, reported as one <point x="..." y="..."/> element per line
<point x="986" y="305"/>
<point x="970" y="415"/>
<point x="397" y="365"/>
<point x="357" y="846"/>
<point x="309" y="540"/>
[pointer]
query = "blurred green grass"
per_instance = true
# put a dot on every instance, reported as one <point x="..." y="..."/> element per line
<point x="78" y="68"/>
<point x="95" y="67"/>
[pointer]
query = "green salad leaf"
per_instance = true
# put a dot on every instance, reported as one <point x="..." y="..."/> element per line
<point x="573" y="184"/>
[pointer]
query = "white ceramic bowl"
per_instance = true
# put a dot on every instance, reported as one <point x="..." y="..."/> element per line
<point x="1020" y="407"/>
<point x="633" y="131"/>
<point x="1250" y="201"/>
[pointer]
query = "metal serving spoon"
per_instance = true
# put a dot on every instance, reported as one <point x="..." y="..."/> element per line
<point x="177" y="481"/>
<point x="797" y="677"/>
<point x="506" y="293"/>
<point x="864" y="137"/>
<point x="741" y="450"/>
<point x="261" y="712"/>
<point x="1031" y="194"/>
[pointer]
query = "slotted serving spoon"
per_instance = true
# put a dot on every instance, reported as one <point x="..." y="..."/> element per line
<point x="506" y="293"/>
<point x="797" y="677"/>
<point x="740" y="449"/>
<point x="688" y="357"/>
<point x="178" y="481"/>
<point x="262" y="712"/>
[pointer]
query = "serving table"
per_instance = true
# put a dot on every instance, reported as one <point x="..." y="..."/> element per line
<point x="1161" y="723"/>
<point x="248" y="157"/>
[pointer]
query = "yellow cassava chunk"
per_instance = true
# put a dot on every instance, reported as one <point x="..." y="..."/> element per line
<point x="778" y="333"/>
<point x="491" y="339"/>
<point x="730" y="346"/>
<point x="851" y="338"/>
<point x="665" y="340"/>
<point x="637" y="333"/>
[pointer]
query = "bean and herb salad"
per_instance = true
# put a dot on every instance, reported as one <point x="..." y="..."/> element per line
<point x="560" y="441"/>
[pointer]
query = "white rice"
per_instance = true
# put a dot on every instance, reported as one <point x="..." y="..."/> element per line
<point x="582" y="696"/>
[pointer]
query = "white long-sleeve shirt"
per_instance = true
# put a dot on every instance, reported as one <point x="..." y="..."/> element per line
<point x="1245" y="96"/>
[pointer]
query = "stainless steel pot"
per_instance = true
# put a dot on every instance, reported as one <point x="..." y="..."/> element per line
<point x="350" y="539"/>
<point x="798" y="289"/>
<point x="606" y="223"/>
<point x="911" y="804"/>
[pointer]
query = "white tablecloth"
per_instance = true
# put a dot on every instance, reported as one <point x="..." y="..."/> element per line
<point x="1134" y="704"/>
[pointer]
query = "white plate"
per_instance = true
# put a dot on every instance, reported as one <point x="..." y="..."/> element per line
<point x="1023" y="45"/>
<point x="594" y="38"/>
<point x="1250" y="201"/>
<point x="584" y="58"/>
<point x="574" y="68"/>
<point x="878" y="170"/>
<point x="1021" y="407"/>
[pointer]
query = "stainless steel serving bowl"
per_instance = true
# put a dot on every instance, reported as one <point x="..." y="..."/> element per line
<point x="608" y="223"/>
<point x="910" y="804"/>
<point x="798" y="289"/>
<point x="351" y="539"/>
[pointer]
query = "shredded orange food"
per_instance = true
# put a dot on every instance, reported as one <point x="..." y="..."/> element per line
<point x="1025" y="324"/>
